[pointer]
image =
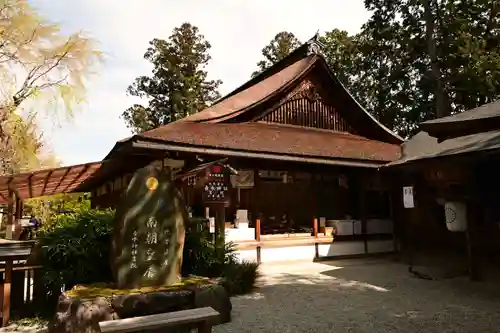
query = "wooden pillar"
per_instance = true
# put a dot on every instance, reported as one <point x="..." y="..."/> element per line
<point x="6" y="293"/>
<point x="315" y="231"/>
<point x="10" y="215"/>
<point x="17" y="217"/>
<point x="257" y="213"/>
<point x="257" y="238"/>
<point x="220" y="219"/>
<point x="393" y="216"/>
<point x="362" y="206"/>
<point x="413" y="218"/>
<point x="472" y="244"/>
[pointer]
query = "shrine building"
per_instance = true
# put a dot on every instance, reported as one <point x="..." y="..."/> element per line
<point x="279" y="163"/>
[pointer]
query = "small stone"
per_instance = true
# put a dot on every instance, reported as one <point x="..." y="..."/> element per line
<point x="81" y="316"/>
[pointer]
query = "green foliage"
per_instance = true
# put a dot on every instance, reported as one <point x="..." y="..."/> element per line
<point x="178" y="86"/>
<point x="388" y="65"/>
<point x="396" y="53"/>
<point x="75" y="248"/>
<point x="46" y="209"/>
<point x="239" y="278"/>
<point x="278" y="48"/>
<point x="201" y="257"/>
<point x="36" y="60"/>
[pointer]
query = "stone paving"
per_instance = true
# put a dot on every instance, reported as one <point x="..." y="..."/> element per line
<point x="362" y="296"/>
<point x="365" y="295"/>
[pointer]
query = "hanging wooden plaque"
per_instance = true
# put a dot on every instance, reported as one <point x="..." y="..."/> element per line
<point x="216" y="186"/>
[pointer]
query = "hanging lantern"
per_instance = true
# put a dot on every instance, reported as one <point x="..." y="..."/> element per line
<point x="456" y="216"/>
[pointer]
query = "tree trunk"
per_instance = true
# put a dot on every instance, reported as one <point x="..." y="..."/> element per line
<point x="443" y="105"/>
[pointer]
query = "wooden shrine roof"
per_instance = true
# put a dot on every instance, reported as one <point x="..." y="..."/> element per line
<point x="275" y="139"/>
<point x="422" y="146"/>
<point x="233" y="126"/>
<point x="485" y="111"/>
<point x="46" y="182"/>
<point x="239" y="102"/>
<point x="478" y="120"/>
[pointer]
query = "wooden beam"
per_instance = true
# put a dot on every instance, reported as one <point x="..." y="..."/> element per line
<point x="258" y="155"/>
<point x="18" y="216"/>
<point x="61" y="180"/>
<point x="46" y="181"/>
<point x="80" y="174"/>
<point x="30" y="188"/>
<point x="10" y="215"/>
<point x="12" y="188"/>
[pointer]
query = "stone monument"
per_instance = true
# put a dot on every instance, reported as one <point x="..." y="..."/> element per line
<point x="149" y="230"/>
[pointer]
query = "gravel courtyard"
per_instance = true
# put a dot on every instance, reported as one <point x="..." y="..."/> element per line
<point x="362" y="296"/>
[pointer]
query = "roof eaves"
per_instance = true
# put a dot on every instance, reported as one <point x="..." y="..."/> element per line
<point x="152" y="143"/>
<point x="298" y="54"/>
<point x="286" y="86"/>
<point x="382" y="126"/>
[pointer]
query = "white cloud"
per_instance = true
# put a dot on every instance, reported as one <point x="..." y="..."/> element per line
<point x="237" y="31"/>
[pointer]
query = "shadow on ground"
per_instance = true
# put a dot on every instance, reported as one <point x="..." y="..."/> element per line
<point x="362" y="296"/>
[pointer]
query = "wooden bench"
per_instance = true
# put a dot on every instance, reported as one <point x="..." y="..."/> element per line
<point x="194" y="317"/>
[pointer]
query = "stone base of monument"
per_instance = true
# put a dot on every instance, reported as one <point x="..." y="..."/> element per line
<point x="82" y="308"/>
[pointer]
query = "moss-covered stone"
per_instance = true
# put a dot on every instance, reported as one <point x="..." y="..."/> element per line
<point x="81" y="309"/>
<point x="107" y="290"/>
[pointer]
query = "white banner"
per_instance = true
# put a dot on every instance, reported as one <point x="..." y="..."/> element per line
<point x="408" y="197"/>
<point x="211" y="221"/>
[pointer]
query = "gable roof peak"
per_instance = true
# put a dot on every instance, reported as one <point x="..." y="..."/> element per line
<point x="314" y="45"/>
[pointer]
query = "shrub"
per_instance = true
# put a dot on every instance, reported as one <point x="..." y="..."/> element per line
<point x="75" y="248"/>
<point x="201" y="257"/>
<point x="240" y="277"/>
<point x="46" y="209"/>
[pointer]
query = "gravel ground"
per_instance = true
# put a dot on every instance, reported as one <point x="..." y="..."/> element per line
<point x="362" y="296"/>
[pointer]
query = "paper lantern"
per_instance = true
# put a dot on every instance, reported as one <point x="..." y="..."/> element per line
<point x="456" y="216"/>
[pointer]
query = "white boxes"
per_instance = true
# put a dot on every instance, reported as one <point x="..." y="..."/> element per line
<point x="241" y="219"/>
<point x="241" y="234"/>
<point x="344" y="227"/>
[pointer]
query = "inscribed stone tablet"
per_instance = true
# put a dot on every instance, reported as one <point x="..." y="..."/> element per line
<point x="149" y="231"/>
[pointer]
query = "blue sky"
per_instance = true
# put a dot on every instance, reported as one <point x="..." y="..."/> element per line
<point x="236" y="29"/>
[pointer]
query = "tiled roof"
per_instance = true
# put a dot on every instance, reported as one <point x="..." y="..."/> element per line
<point x="276" y="139"/>
<point x="485" y="111"/>
<point x="258" y="92"/>
<point x="423" y="146"/>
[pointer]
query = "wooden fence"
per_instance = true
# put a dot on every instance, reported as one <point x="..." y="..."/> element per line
<point x="27" y="291"/>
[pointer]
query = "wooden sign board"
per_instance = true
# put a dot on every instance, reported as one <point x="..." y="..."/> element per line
<point x="149" y="231"/>
<point x="216" y="186"/>
<point x="244" y="179"/>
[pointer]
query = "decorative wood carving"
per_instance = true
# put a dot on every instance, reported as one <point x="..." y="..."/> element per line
<point x="306" y="107"/>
